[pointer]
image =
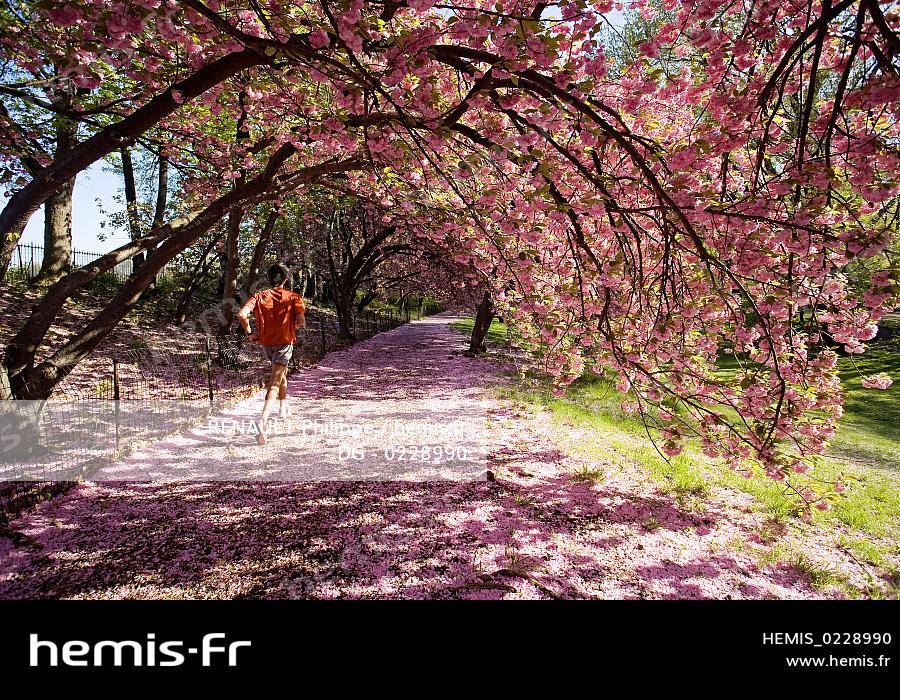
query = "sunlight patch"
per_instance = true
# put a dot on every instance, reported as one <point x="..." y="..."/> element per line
<point x="323" y="439"/>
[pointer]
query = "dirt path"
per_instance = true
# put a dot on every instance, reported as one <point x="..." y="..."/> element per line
<point x="507" y="520"/>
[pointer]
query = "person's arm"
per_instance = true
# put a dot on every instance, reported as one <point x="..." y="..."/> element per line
<point x="244" y="317"/>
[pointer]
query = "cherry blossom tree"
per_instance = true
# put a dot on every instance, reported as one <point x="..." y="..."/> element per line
<point x="638" y="222"/>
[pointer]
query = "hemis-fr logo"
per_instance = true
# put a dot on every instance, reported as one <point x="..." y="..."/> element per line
<point x="213" y="650"/>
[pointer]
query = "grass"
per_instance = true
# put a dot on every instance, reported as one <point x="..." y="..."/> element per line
<point x="586" y="474"/>
<point x="103" y="388"/>
<point x="522" y="500"/>
<point x="865" y="453"/>
<point x="870" y="505"/>
<point x="496" y="333"/>
<point x="105" y="284"/>
<point x="385" y="306"/>
<point x="17" y="278"/>
<point x="867" y="550"/>
<point x="593" y="403"/>
<point x="869" y="431"/>
<point x="773" y="556"/>
<point x="651" y="523"/>
<point x="820" y="577"/>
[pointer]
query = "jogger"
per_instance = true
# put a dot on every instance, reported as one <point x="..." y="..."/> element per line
<point x="279" y="314"/>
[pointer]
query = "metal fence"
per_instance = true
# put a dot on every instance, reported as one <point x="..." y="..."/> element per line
<point x="27" y="259"/>
<point x="221" y="369"/>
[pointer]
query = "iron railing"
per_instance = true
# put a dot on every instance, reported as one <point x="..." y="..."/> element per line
<point x="27" y="259"/>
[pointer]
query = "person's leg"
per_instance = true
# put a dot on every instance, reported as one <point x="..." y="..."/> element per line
<point x="282" y="397"/>
<point x="276" y="377"/>
<point x="283" y="356"/>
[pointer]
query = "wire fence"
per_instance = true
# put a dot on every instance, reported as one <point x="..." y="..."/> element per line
<point x="27" y="259"/>
<point x="145" y="394"/>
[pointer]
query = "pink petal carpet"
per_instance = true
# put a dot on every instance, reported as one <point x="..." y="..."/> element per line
<point x="528" y="530"/>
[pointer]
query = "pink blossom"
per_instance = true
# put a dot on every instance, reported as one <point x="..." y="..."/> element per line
<point x="318" y="38"/>
<point x="65" y="15"/>
<point x="877" y="381"/>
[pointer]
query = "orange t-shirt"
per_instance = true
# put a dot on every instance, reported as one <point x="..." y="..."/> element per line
<point x="277" y="312"/>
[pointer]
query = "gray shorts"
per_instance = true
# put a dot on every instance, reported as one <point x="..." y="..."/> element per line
<point x="279" y="354"/>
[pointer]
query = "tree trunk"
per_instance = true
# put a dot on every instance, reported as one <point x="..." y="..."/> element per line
<point x="367" y="299"/>
<point x="58" y="208"/>
<point x="40" y="381"/>
<point x="57" y="236"/>
<point x="483" y="317"/>
<point x="131" y="205"/>
<point x="188" y="294"/>
<point x="179" y="234"/>
<point x="235" y="216"/>
<point x="343" y="304"/>
<point x="229" y="274"/>
<point x="313" y="284"/>
<point x="322" y="289"/>
<point x="298" y="284"/>
<point x="259" y="251"/>
<point x="162" y="193"/>
<point x="162" y="199"/>
<point x="200" y="270"/>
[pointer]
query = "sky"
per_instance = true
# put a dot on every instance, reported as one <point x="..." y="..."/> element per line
<point x="90" y="185"/>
